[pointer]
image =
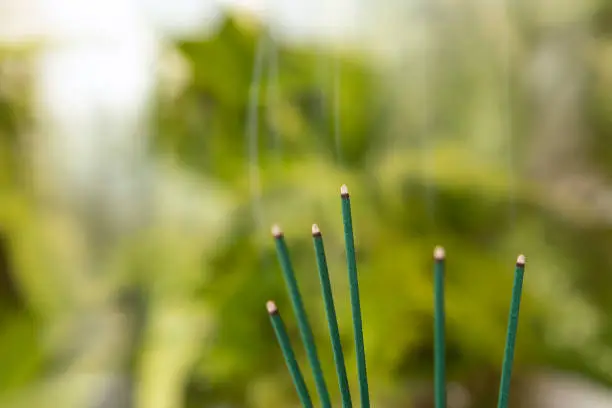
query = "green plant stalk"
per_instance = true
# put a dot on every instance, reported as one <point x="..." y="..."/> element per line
<point x="515" y="305"/>
<point x="290" y="360"/>
<point x="355" y="302"/>
<point x="439" y="330"/>
<point x="332" y="320"/>
<point x="302" y="319"/>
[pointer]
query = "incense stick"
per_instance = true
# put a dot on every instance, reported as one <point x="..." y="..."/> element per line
<point x="330" y="312"/>
<point x="439" y="330"/>
<point x="515" y="305"/>
<point x="302" y="319"/>
<point x="285" y="345"/>
<point x="354" y="291"/>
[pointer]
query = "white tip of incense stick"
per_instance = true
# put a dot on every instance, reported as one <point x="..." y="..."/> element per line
<point x="277" y="231"/>
<point x="344" y="190"/>
<point x="271" y="306"/>
<point x="315" y="229"/>
<point x="439" y="253"/>
<point x="520" y="260"/>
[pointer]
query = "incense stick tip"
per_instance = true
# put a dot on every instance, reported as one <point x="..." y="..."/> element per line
<point x="271" y="306"/>
<point x="439" y="253"/>
<point x="315" y="230"/>
<point x="277" y="231"/>
<point x="520" y="260"/>
<point x="344" y="191"/>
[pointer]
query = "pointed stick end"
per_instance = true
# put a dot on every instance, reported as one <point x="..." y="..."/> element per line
<point x="520" y="261"/>
<point x="344" y="191"/>
<point x="276" y="231"/>
<point x="439" y="253"/>
<point x="316" y="232"/>
<point x="271" y="306"/>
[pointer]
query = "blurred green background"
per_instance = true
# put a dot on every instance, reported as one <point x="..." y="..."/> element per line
<point x="486" y="130"/>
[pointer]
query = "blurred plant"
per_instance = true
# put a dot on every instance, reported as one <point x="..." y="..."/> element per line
<point x="204" y="275"/>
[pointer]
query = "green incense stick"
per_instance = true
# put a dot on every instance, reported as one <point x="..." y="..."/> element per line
<point x="302" y="319"/>
<point x="439" y="330"/>
<point x="330" y="312"/>
<point x="354" y="291"/>
<point x="285" y="345"/>
<point x="515" y="305"/>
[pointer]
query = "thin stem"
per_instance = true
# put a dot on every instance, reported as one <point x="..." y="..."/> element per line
<point x="332" y="320"/>
<point x="290" y="360"/>
<point x="354" y="290"/>
<point x="515" y="305"/>
<point x="302" y="319"/>
<point x="252" y="129"/>
<point x="439" y="330"/>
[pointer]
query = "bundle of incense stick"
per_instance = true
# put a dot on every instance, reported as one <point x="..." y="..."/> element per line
<point x="308" y="338"/>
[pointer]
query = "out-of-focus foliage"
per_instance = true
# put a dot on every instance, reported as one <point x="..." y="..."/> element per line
<point x="21" y="352"/>
<point x="428" y="161"/>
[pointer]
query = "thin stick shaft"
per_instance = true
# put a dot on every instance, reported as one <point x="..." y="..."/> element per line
<point x="439" y="335"/>
<point x="355" y="302"/>
<point x="292" y="365"/>
<point x="302" y="319"/>
<point x="332" y="321"/>
<point x="517" y="289"/>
